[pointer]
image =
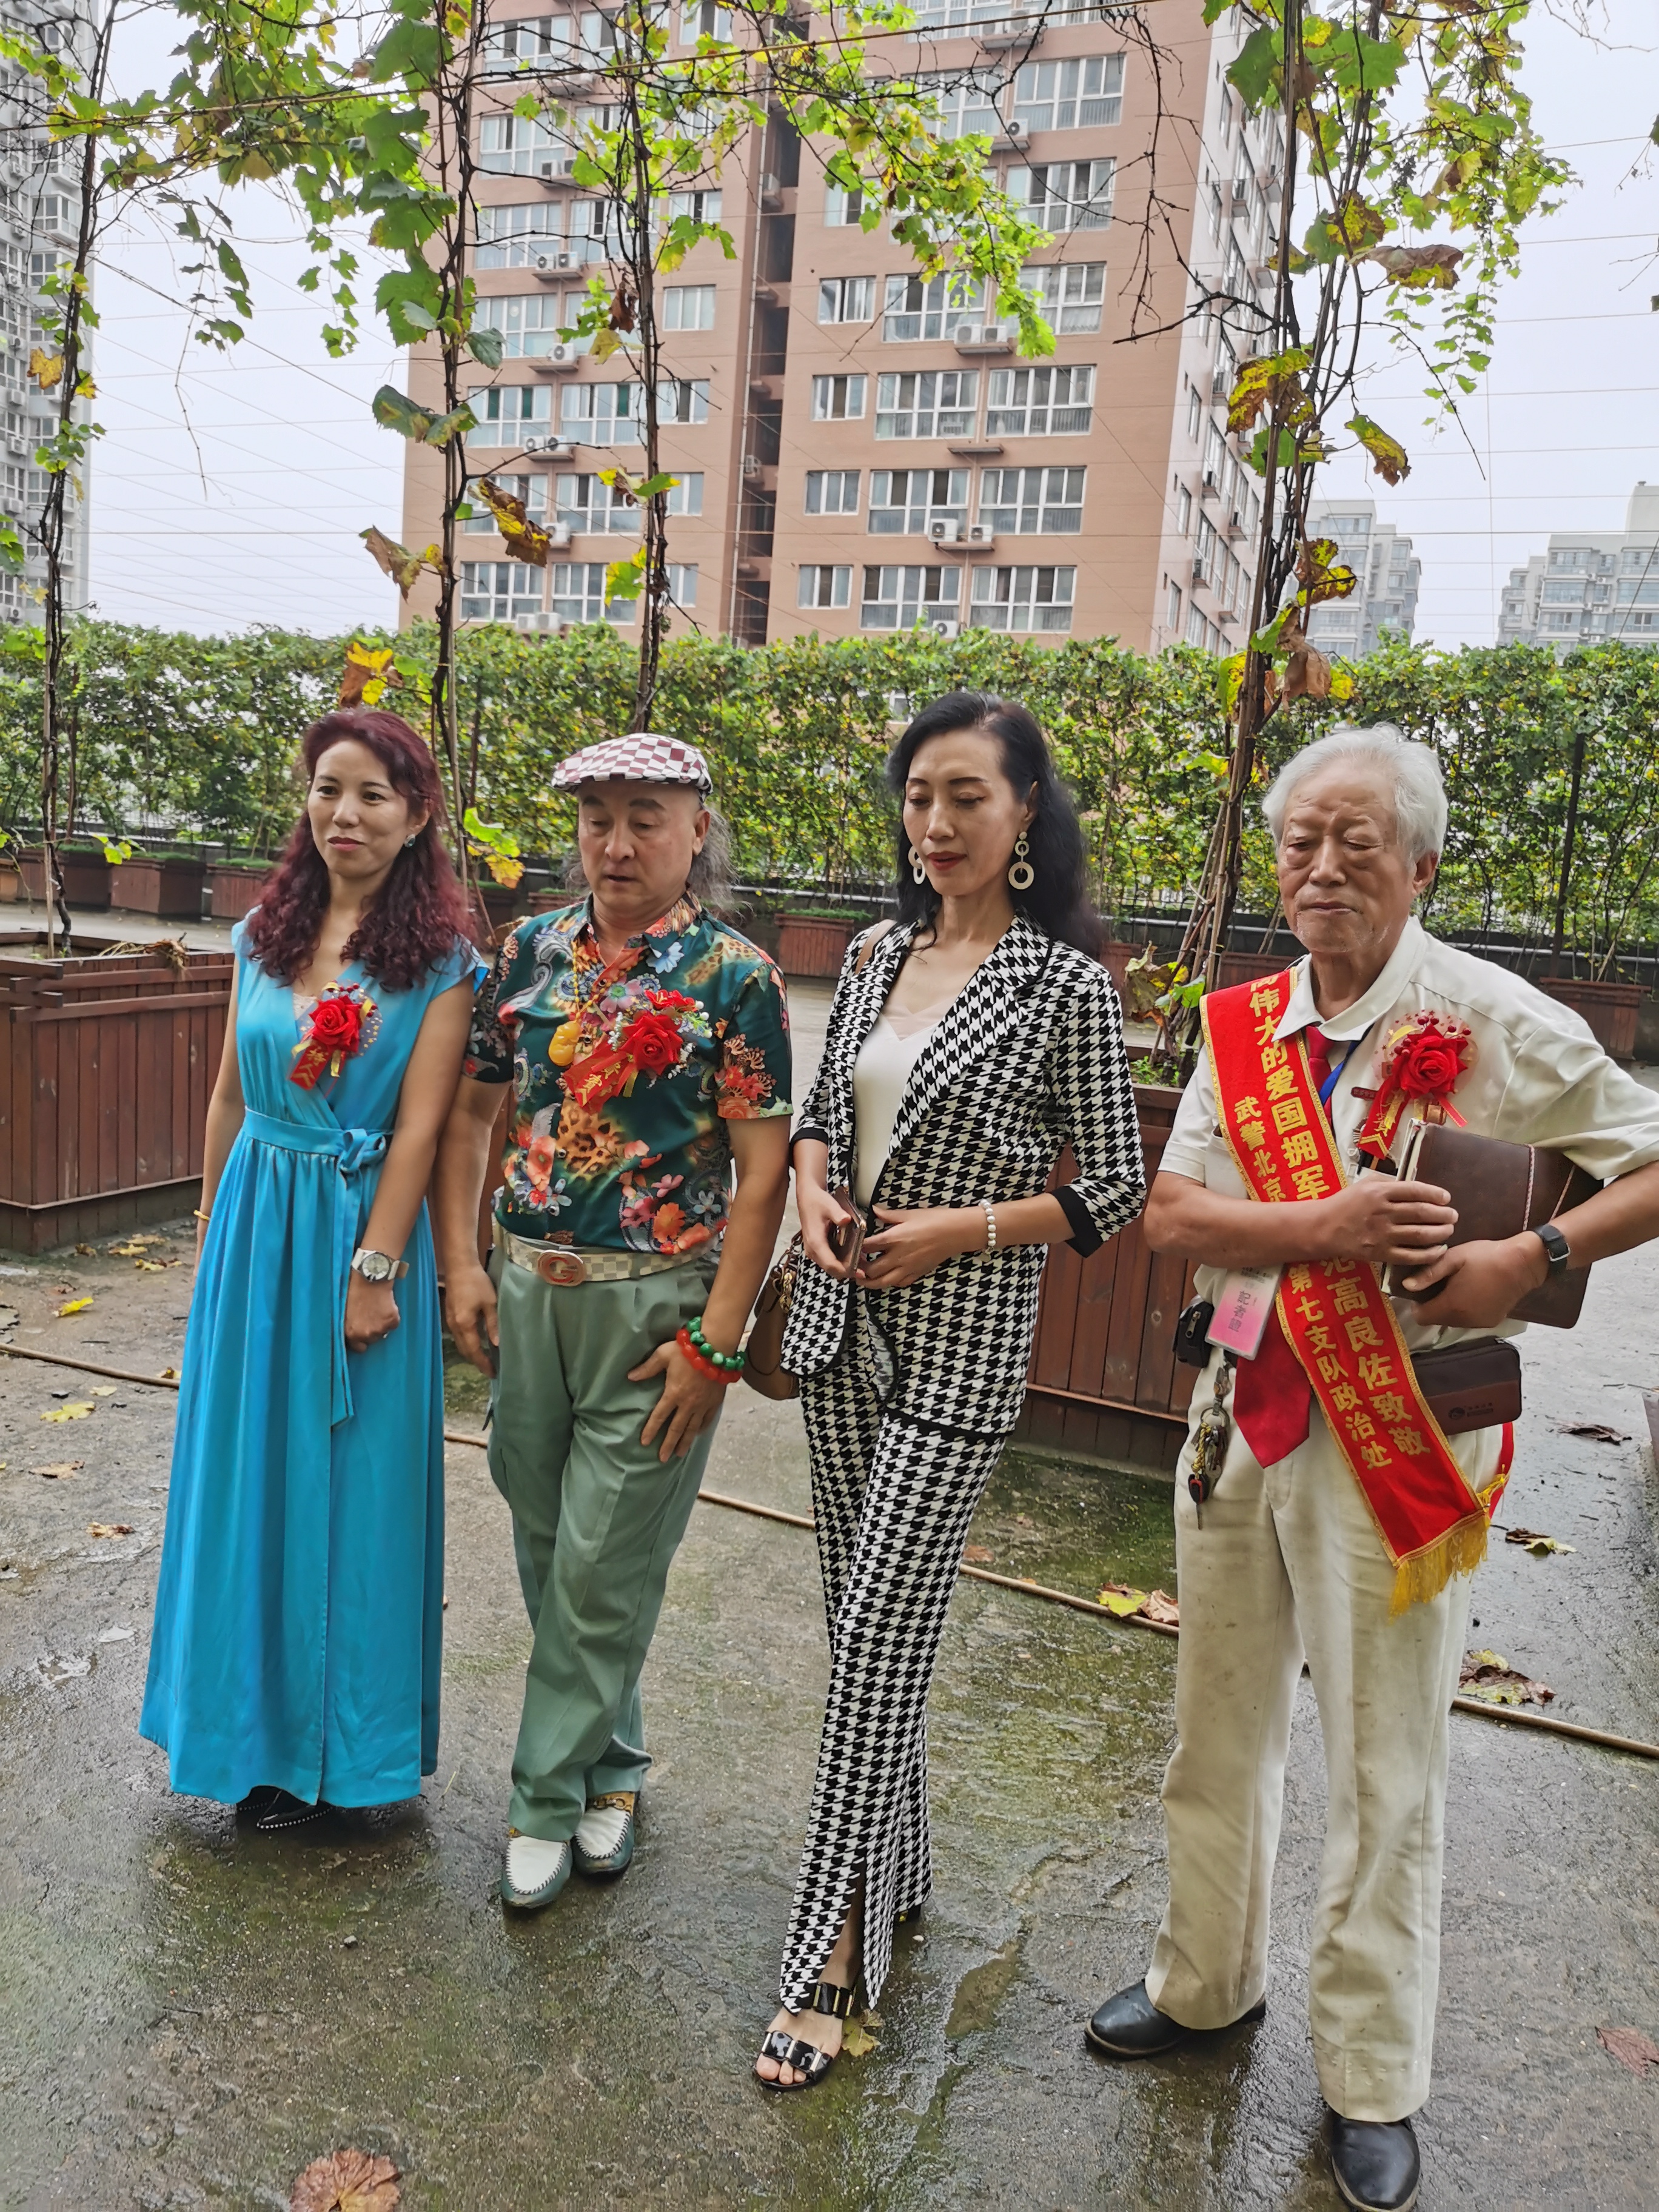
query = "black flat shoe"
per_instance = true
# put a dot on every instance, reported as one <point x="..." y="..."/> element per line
<point x="259" y="1798"/>
<point x="1130" y="2025"/>
<point x="805" y="2058"/>
<point x="1375" y="2163"/>
<point x="285" y="1811"/>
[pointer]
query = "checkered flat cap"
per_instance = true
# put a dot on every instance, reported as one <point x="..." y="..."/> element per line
<point x="642" y="756"/>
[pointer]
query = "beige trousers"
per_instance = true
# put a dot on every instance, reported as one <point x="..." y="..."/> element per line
<point x="1286" y="1561"/>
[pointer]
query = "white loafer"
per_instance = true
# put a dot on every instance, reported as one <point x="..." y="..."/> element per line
<point x="535" y="1872"/>
<point x="604" y="1835"/>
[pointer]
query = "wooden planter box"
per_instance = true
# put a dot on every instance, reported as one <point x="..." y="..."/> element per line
<point x="167" y="886"/>
<point x="1114" y="957"/>
<point x="233" y="886"/>
<point x="11" y="884"/>
<point x="1246" y="966"/>
<point x="86" y="879"/>
<point x="103" y="1089"/>
<point x="1104" y="1381"/>
<point x="807" y="946"/>
<point x="1613" y="1009"/>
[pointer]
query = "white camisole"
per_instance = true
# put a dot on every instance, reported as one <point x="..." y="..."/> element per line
<point x="879" y="1076"/>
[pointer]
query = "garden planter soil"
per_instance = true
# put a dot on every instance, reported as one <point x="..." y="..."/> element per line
<point x="162" y="885"/>
<point x="810" y="946"/>
<point x="86" y="879"/>
<point x="1613" y="1009"/>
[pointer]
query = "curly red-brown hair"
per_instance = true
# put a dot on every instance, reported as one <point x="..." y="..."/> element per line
<point x="419" y="912"/>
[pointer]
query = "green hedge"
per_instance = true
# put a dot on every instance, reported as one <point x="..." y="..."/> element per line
<point x="183" y="735"/>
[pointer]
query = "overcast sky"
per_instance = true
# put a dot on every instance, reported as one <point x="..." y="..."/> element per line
<point x="231" y="488"/>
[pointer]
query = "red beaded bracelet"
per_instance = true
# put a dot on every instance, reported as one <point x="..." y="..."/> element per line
<point x="683" y="1339"/>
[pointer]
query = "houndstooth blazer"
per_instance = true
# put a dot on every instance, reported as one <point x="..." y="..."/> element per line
<point x="1029" y="1059"/>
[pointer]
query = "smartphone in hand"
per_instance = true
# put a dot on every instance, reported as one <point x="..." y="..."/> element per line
<point x="846" y="1238"/>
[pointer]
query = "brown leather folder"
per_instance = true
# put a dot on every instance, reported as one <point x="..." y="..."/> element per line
<point x="1499" y="1189"/>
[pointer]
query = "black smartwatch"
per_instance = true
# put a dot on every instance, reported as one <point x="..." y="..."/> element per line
<point x="1556" y="1245"/>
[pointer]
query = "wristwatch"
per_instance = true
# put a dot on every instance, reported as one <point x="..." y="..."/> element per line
<point x="1556" y="1245"/>
<point x="377" y="1267"/>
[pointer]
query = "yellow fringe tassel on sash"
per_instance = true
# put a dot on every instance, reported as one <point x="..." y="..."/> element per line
<point x="1420" y="1578"/>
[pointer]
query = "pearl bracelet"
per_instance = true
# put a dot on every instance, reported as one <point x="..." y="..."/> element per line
<point x="990" y="1213"/>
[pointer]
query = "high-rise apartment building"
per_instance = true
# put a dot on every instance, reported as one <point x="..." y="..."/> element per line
<point x="1591" y="587"/>
<point x="1390" y="574"/>
<point x="860" y="449"/>
<point x="39" y="218"/>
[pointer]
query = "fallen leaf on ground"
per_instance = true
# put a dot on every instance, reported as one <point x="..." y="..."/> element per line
<point x="103" y="1389"/>
<point x="347" y="2181"/>
<point x="1630" y="2047"/>
<point x="86" y="1251"/>
<point x="1597" y="1430"/>
<point x="1162" y="1608"/>
<point x="155" y="1267"/>
<point x="858" y="2042"/>
<point x="134" y="1245"/>
<point x="1488" y="1675"/>
<point x="169" y="1374"/>
<point x="109" y="1529"/>
<point x="978" y="1555"/>
<point x="1119" y="1598"/>
<point x="74" y="1306"/>
<point x="59" y="1470"/>
<point x="1536" y="1542"/>
<point x="77" y="1412"/>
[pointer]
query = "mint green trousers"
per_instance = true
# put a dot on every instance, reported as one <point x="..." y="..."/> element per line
<point x="597" y="1518"/>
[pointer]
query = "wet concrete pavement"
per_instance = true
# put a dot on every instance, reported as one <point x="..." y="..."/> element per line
<point x="189" y="2015"/>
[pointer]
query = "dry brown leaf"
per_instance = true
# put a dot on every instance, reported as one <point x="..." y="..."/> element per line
<point x="1418" y="268"/>
<point x="525" y="540"/>
<point x="77" y="1411"/>
<point x="109" y="1529"/>
<point x="169" y="1374"/>
<point x="1307" y="672"/>
<point x="1598" y="1430"/>
<point x="58" y="1470"/>
<point x="1489" y="1676"/>
<point x="398" y="562"/>
<point x="1162" y="1608"/>
<point x="1630" y="2047"/>
<point x="86" y="1251"/>
<point x="857" y="2040"/>
<point x="347" y="2181"/>
<point x="1120" y="1599"/>
<point x="978" y="1555"/>
<point x="45" y="368"/>
<point x="1537" y="1542"/>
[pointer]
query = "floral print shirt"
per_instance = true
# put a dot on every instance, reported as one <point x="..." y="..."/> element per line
<point x="624" y="1077"/>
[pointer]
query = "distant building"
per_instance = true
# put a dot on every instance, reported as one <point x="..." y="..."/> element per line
<point x="1591" y="587"/>
<point x="1389" y="574"/>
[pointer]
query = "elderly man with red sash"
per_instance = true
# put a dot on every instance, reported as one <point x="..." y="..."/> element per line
<point x="1341" y="1523"/>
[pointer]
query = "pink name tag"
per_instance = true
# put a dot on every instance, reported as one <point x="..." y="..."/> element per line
<point x="1242" y="1307"/>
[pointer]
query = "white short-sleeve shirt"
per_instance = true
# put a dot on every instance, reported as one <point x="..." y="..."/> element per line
<point x="1539" y="1078"/>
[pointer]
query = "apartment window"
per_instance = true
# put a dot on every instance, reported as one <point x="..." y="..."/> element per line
<point x="1639" y="590"/>
<point x="1046" y="502"/>
<point x="932" y="308"/>
<point x="1561" y="622"/>
<point x="685" y="495"/>
<point x="898" y="598"/>
<point x="846" y="299"/>
<point x="509" y="48"/>
<point x="682" y="583"/>
<point x="688" y="307"/>
<point x="1197" y="628"/>
<point x="1071" y="293"/>
<point x="499" y="591"/>
<point x="1564" y="594"/>
<point x="578" y="594"/>
<point x="598" y="36"/>
<point x="931" y="402"/>
<point x="600" y="414"/>
<point x="963" y="103"/>
<point x="1065" y="195"/>
<point x="533" y="490"/>
<point x="841" y="208"/>
<point x="705" y="21"/>
<point x="832" y="491"/>
<point x="838" y="399"/>
<point x="1637" y="557"/>
<point x="1205" y="553"/>
<point x="1172" y="618"/>
<point x="693" y="207"/>
<point x="1183" y="509"/>
<point x="1035" y="402"/>
<point x="1023" y="598"/>
<point x="511" y="410"/>
<point x="1215" y="456"/>
<point x="825" y="587"/>
<point x="591" y="508"/>
<point x="529" y="323"/>
<point x="683" y="399"/>
<point x="1579" y="558"/>
<point x="1070" y="96"/>
<point x="903" y="501"/>
<point x="517" y="145"/>
<point x="1194" y="413"/>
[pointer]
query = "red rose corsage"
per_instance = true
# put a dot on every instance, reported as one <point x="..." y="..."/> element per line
<point x="343" y="1021"/>
<point x="1421" y="1063"/>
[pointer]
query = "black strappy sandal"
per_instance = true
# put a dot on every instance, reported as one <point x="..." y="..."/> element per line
<point x="805" y="2058"/>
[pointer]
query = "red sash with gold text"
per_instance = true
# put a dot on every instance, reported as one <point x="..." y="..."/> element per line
<point x="1334" y="1312"/>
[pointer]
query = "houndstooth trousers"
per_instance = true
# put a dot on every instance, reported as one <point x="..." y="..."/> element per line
<point x="893" y="1498"/>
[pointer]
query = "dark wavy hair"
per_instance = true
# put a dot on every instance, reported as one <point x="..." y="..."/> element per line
<point x="419" y="911"/>
<point x="1058" y="901"/>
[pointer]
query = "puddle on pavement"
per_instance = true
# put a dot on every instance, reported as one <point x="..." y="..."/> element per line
<point x="1075" y="1526"/>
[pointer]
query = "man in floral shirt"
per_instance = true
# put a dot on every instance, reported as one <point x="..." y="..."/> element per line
<point x="646" y="1045"/>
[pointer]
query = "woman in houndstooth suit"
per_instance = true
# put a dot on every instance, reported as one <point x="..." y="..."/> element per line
<point x="968" y="1044"/>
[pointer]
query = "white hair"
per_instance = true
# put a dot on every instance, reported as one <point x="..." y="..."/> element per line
<point x="1419" y="789"/>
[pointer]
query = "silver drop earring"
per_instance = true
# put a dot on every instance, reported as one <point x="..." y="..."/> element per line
<point x="918" y="874"/>
<point x="407" y="842"/>
<point x="1022" y="875"/>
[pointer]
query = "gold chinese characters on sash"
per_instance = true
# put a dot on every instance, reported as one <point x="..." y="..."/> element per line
<point x="1334" y="1312"/>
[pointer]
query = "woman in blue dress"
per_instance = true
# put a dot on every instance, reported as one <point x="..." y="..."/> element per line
<point x="295" y="1659"/>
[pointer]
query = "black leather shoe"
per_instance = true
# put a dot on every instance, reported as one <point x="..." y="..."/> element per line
<point x="1375" y="2163"/>
<point x="1130" y="2025"/>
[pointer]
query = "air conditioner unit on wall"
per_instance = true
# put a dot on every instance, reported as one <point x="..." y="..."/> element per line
<point x="558" y="536"/>
<point x="549" y="266"/>
<point x="981" y="533"/>
<point x="942" y="626"/>
<point x="1016" y="134"/>
<point x="945" y="530"/>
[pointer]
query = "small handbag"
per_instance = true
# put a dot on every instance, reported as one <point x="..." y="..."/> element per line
<point x="762" y="1368"/>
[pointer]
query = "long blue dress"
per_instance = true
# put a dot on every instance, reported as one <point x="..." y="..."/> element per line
<point x="299" y="1615"/>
